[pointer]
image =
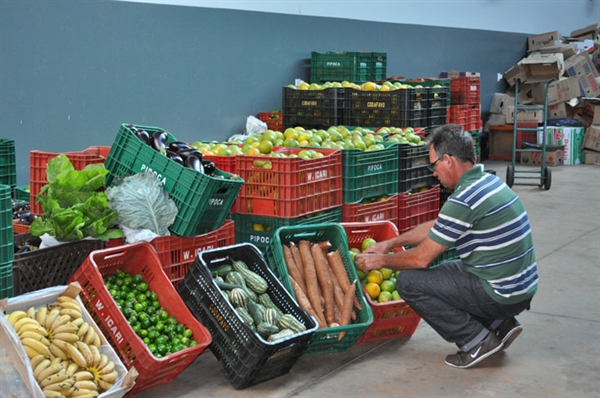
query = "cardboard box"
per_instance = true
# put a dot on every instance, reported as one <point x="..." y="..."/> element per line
<point x="554" y="155"/>
<point x="535" y="42"/>
<point x="525" y="115"/>
<point x="589" y="112"/>
<point x="567" y="50"/>
<point x="500" y="101"/>
<point x="585" y="32"/>
<point x="581" y="67"/>
<point x="591" y="157"/>
<point x="543" y="67"/>
<point x="592" y="137"/>
<point x="557" y="111"/>
<point x="516" y="72"/>
<point x="453" y="74"/>
<point x="559" y="91"/>
<point x="570" y="137"/>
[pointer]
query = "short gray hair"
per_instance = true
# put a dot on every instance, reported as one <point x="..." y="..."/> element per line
<point x="452" y="140"/>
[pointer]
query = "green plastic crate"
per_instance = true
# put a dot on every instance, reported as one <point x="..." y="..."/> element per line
<point x="449" y="254"/>
<point x="354" y="67"/>
<point x="6" y="280"/>
<point x="203" y="202"/>
<point x="8" y="163"/>
<point x="366" y="174"/>
<point x="21" y="193"/>
<point x="259" y="230"/>
<point x="325" y="340"/>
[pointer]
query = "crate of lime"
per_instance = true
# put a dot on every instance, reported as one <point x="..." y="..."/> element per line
<point x="139" y="311"/>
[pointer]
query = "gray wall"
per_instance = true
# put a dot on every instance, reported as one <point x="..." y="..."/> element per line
<point x="72" y="72"/>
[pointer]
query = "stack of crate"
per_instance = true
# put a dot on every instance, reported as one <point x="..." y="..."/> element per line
<point x="465" y="99"/>
<point x="370" y="184"/>
<point x="438" y="98"/>
<point x="286" y="190"/>
<point x="354" y="67"/>
<point x="6" y="242"/>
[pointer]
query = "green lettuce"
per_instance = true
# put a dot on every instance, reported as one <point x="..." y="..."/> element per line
<point x="74" y="206"/>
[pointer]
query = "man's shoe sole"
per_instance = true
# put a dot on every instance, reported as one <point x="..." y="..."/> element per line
<point x="481" y="358"/>
<point x="511" y="336"/>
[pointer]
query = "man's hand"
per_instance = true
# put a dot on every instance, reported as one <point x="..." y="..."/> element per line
<point x="368" y="261"/>
<point x="379" y="247"/>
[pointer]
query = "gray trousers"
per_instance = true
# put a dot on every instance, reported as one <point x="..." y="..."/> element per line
<point x="454" y="303"/>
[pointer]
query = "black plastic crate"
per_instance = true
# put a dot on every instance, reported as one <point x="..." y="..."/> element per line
<point x="313" y="108"/>
<point x="245" y="358"/>
<point x="51" y="266"/>
<point x="413" y="171"/>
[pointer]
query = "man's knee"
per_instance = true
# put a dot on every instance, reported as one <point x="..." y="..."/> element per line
<point x="405" y="281"/>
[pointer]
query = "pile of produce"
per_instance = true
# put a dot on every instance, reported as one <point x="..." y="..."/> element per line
<point x="321" y="283"/>
<point x="161" y="332"/>
<point x="247" y="293"/>
<point x="63" y="349"/>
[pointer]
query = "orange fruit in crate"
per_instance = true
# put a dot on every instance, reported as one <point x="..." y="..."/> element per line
<point x="253" y="152"/>
<point x="375" y="276"/>
<point x="373" y="290"/>
<point x="265" y="147"/>
<point x="369" y="86"/>
<point x="387" y="286"/>
<point x="386" y="272"/>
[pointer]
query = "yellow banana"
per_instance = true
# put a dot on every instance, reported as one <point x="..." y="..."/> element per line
<point x="68" y="337"/>
<point x="96" y="357"/>
<point x="109" y="368"/>
<point x="105" y="385"/>
<point x="61" y="320"/>
<point x="83" y="375"/>
<point x="85" y="393"/>
<point x="78" y="322"/>
<point x="30" y="334"/>
<point x="41" y="367"/>
<point x="76" y="355"/>
<point x="49" y="371"/>
<point x="97" y="342"/>
<point x="40" y="315"/>
<point x="57" y="360"/>
<point x="85" y="350"/>
<point x="14" y="316"/>
<point x="51" y="317"/>
<point x="83" y="330"/>
<point x="85" y="385"/>
<point x="31" y="352"/>
<point x="103" y="361"/>
<point x="58" y="352"/>
<point x="31" y="312"/>
<point x="33" y="327"/>
<point x="90" y="336"/>
<point x="72" y="369"/>
<point x="110" y="377"/>
<point x="37" y="346"/>
<point x="66" y="328"/>
<point x="55" y="378"/>
<point x="73" y="314"/>
<point x="66" y="299"/>
<point x="36" y="360"/>
<point x="22" y="322"/>
<point x="73" y="305"/>
<point x="52" y="394"/>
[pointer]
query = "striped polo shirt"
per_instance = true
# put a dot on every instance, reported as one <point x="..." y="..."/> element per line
<point x="488" y="224"/>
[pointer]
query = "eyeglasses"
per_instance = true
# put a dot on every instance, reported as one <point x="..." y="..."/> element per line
<point x="431" y="167"/>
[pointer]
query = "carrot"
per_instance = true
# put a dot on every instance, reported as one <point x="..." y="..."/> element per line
<point x="304" y="302"/>
<point x="322" y="270"/>
<point x="325" y="246"/>
<point x="348" y="308"/>
<point x="337" y="265"/>
<point x="297" y="258"/>
<point x="312" y="284"/>
<point x="293" y="268"/>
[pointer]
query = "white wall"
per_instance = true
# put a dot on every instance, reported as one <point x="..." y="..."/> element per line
<point x="519" y="16"/>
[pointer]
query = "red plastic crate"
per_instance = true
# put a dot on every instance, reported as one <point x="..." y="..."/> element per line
<point x="465" y="90"/>
<point x="38" y="161"/>
<point x="417" y="207"/>
<point x="176" y="254"/>
<point x="466" y="115"/>
<point x="20" y="228"/>
<point x="274" y="120"/>
<point x="289" y="186"/>
<point x="137" y="258"/>
<point x="393" y="319"/>
<point x="378" y="210"/>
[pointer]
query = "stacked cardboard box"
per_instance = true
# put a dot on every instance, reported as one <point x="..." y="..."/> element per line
<point x="569" y="67"/>
<point x="591" y="140"/>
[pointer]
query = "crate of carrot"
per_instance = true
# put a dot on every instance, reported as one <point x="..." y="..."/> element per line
<point x="313" y="263"/>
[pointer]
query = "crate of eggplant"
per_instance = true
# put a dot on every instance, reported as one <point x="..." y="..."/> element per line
<point x="258" y="331"/>
<point x="203" y="193"/>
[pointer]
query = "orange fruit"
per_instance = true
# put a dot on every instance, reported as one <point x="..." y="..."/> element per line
<point x="384" y="297"/>
<point x="265" y="147"/>
<point x="253" y="152"/>
<point x="373" y="290"/>
<point x="387" y="286"/>
<point x="367" y="242"/>
<point x="386" y="272"/>
<point x="375" y="276"/>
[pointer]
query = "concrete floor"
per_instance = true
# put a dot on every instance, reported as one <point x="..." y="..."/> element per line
<point x="557" y="355"/>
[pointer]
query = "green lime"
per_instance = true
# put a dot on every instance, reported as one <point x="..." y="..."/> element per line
<point x="163" y="314"/>
<point x="156" y="305"/>
<point x="180" y="328"/>
<point x="128" y="281"/>
<point x="141" y="297"/>
<point x="146" y="340"/>
<point x="138" y="278"/>
<point x="142" y="287"/>
<point x="172" y="321"/>
<point x="187" y="333"/>
<point x="193" y="343"/>
<point x="152" y="347"/>
<point x="153" y="334"/>
<point x="185" y="341"/>
<point x="153" y="296"/>
<point x="160" y="326"/>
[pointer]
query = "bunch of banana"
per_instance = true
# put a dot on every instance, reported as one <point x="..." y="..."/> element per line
<point x="67" y="306"/>
<point x="52" y="377"/>
<point x="88" y="357"/>
<point x="33" y="336"/>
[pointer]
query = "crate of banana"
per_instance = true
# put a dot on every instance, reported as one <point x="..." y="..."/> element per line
<point x="63" y="351"/>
